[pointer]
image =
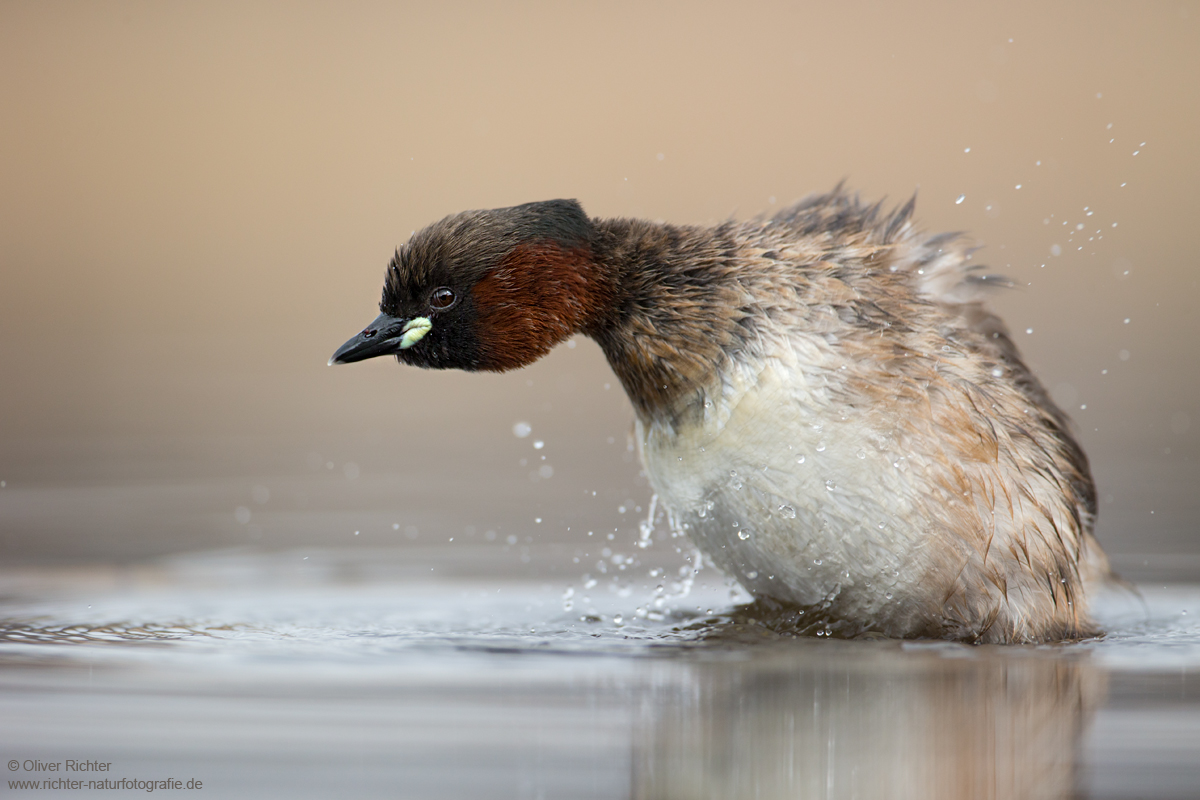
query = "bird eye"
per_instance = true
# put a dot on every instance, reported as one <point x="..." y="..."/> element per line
<point x="442" y="298"/>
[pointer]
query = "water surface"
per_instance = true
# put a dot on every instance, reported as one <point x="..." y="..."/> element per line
<point x="402" y="673"/>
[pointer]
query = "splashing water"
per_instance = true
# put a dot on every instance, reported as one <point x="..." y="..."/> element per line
<point x="646" y="526"/>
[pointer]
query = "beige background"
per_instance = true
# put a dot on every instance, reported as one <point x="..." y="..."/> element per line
<point x="197" y="202"/>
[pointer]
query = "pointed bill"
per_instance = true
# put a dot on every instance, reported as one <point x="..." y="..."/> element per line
<point x="385" y="336"/>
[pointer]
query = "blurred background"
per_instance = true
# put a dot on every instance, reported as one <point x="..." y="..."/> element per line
<point x="197" y="202"/>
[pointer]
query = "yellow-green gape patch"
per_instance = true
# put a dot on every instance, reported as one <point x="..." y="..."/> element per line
<point x="414" y="330"/>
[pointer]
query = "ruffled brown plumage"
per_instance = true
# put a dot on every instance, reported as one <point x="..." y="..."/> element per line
<point x="823" y="403"/>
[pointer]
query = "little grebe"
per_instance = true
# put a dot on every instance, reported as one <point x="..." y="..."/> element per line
<point x="822" y="402"/>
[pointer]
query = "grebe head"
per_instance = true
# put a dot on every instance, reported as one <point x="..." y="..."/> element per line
<point x="486" y="290"/>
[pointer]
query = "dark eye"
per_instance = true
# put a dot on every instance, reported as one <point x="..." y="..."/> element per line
<point x="442" y="298"/>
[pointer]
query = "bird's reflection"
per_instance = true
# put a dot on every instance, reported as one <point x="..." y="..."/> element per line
<point x="833" y="719"/>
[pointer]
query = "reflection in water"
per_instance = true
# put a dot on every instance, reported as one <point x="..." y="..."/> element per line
<point x="794" y="719"/>
<point x="868" y="720"/>
<point x="786" y="718"/>
<point x="247" y="673"/>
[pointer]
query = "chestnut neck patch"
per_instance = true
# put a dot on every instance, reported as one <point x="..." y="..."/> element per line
<point x="540" y="294"/>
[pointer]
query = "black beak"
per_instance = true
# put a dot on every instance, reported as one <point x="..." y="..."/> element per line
<point x="381" y="338"/>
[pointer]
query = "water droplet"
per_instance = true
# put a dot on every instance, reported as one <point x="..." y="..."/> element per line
<point x="820" y="447"/>
<point x="887" y="595"/>
<point x="788" y="512"/>
<point x="618" y="619"/>
<point x="522" y="429"/>
<point x="997" y="372"/>
<point x="539" y="444"/>
<point x="830" y="485"/>
<point x="818" y="561"/>
<point x="861" y="453"/>
<point x="743" y="535"/>
<point x="961" y="197"/>
<point x="752" y="574"/>
<point x="800" y="460"/>
<point x="1029" y="330"/>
